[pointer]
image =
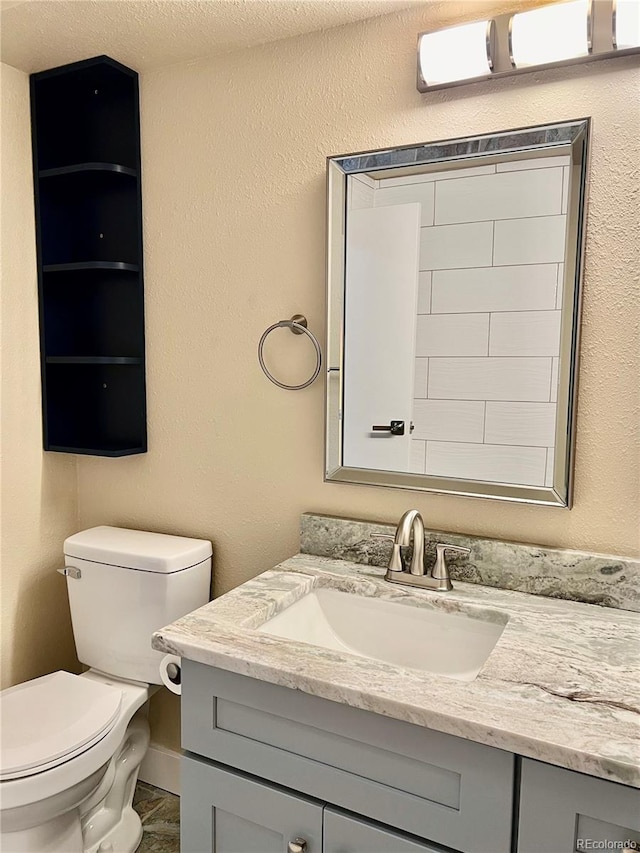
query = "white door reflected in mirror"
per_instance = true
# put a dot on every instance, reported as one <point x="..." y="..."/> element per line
<point x="383" y="247"/>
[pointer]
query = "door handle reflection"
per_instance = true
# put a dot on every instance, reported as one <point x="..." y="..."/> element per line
<point x="395" y="428"/>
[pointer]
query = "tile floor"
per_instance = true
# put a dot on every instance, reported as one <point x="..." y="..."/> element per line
<point x="160" y="815"/>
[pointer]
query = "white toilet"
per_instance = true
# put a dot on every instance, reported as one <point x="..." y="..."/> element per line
<point x="71" y="745"/>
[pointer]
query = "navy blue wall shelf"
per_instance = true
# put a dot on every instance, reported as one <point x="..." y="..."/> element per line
<point x="88" y="203"/>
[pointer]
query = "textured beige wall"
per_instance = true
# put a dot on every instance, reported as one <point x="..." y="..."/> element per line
<point x="234" y="163"/>
<point x="39" y="500"/>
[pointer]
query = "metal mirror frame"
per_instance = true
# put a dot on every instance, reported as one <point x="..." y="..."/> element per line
<point x="569" y="137"/>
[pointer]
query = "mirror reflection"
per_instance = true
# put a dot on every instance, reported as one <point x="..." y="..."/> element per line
<point x="455" y="287"/>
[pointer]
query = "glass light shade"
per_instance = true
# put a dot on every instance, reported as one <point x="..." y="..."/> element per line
<point x="626" y="24"/>
<point x="457" y="53"/>
<point x="550" y="34"/>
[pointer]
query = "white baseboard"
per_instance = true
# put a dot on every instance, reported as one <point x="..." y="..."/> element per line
<point x="161" y="767"/>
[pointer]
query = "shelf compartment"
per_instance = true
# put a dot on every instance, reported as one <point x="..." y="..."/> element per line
<point x="95" y="409"/>
<point x="91" y="359"/>
<point x="91" y="265"/>
<point x="86" y="167"/>
<point x="93" y="313"/>
<point x="111" y="450"/>
<point x="89" y="216"/>
<point x="84" y="113"/>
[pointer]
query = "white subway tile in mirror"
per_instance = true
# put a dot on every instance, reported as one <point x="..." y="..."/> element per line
<point x="520" y="423"/>
<point x="452" y="334"/>
<point x="449" y="420"/>
<point x="505" y="195"/>
<point x="494" y="463"/>
<point x="520" y="288"/>
<point x="424" y="292"/>
<point x="517" y="333"/>
<point x="444" y="247"/>
<point x="518" y="379"/>
<point x="538" y="240"/>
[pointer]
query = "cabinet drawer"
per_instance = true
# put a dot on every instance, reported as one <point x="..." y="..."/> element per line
<point x="435" y="786"/>
<point x="563" y="812"/>
<point x="346" y="834"/>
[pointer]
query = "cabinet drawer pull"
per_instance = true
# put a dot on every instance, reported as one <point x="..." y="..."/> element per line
<point x="298" y="845"/>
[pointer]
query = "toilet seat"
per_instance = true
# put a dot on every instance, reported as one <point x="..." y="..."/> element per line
<point x="50" y="720"/>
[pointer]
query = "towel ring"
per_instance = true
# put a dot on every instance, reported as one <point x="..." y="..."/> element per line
<point x="298" y="325"/>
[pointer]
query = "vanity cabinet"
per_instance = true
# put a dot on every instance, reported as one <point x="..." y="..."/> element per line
<point x="267" y="764"/>
<point x="448" y="791"/>
<point x="562" y="811"/>
<point x="88" y="208"/>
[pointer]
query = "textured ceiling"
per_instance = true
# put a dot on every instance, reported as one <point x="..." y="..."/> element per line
<point x="147" y="34"/>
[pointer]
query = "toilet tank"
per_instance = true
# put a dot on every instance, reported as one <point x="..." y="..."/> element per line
<point x="131" y="584"/>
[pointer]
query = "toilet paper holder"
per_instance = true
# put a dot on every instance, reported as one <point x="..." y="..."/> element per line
<point x="171" y="673"/>
<point x="174" y="673"/>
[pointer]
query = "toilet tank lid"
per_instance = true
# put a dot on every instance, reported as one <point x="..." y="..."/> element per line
<point x="137" y="549"/>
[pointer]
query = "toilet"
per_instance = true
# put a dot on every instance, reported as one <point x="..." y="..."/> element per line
<point x="71" y="745"/>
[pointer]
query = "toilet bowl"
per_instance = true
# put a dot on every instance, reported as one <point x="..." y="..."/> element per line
<point x="71" y="745"/>
<point x="51" y="772"/>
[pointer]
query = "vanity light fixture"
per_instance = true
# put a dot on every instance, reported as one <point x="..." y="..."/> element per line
<point x="565" y="32"/>
<point x="550" y="34"/>
<point x="456" y="53"/>
<point x="626" y="24"/>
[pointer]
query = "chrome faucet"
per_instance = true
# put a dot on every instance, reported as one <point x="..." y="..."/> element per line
<point x="411" y="523"/>
<point x="438" y="578"/>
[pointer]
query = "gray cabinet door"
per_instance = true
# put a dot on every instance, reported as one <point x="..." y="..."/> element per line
<point x="564" y="812"/>
<point x="345" y="834"/>
<point x="224" y="812"/>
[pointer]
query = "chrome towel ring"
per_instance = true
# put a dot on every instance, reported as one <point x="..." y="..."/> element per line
<point x="298" y="325"/>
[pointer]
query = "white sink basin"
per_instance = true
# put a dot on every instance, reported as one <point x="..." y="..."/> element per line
<point x="417" y="637"/>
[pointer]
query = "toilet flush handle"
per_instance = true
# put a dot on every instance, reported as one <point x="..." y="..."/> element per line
<point x="71" y="572"/>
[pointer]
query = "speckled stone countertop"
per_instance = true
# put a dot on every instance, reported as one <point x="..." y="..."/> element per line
<point x="562" y="684"/>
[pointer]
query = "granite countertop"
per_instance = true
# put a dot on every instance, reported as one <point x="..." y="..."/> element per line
<point x="562" y="684"/>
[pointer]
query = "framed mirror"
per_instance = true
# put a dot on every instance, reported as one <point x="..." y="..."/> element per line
<point x="454" y="277"/>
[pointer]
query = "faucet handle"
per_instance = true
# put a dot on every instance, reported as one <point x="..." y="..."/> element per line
<point x="441" y="570"/>
<point x="396" y="561"/>
<point x="441" y="547"/>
